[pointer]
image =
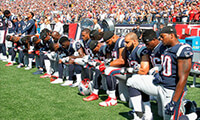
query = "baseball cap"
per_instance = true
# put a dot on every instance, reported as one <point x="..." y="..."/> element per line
<point x="93" y="33"/>
<point x="8" y="37"/>
<point x="168" y="29"/>
<point x="93" y="44"/>
<point x="43" y="35"/>
<point x="148" y="35"/>
<point x="107" y="35"/>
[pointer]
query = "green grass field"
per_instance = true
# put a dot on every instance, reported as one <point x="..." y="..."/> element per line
<point x="27" y="96"/>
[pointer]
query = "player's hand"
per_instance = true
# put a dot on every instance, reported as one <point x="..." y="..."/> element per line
<point x="102" y="67"/>
<point x="60" y="61"/>
<point x="66" y="59"/>
<point x="123" y="70"/>
<point x="107" y="61"/>
<point x="170" y="107"/>
<point x="37" y="52"/>
<point x="71" y="61"/>
<point x="92" y="63"/>
<point x="157" y="79"/>
<point x="154" y="70"/>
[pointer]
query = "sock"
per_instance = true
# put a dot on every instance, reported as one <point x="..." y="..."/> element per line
<point x="9" y="58"/>
<point x="137" y="103"/>
<point x="78" y="78"/>
<point x="112" y="94"/>
<point x="47" y="66"/>
<point x="147" y="108"/>
<point x="95" y="91"/>
<point x="30" y="60"/>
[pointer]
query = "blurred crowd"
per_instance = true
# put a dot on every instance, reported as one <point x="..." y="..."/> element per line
<point x="123" y="12"/>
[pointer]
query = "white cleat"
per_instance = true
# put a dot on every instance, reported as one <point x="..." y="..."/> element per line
<point x="28" y="68"/>
<point x="67" y="83"/>
<point x="20" y="65"/>
<point x="109" y="102"/>
<point x="75" y="84"/>
<point x="57" y="81"/>
<point x="5" y="60"/>
<point x="148" y="116"/>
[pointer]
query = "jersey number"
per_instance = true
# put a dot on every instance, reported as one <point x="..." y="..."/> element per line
<point x="167" y="65"/>
<point x="155" y="61"/>
<point x="10" y="24"/>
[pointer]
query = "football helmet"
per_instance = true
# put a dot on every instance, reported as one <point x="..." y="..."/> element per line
<point x="85" y="87"/>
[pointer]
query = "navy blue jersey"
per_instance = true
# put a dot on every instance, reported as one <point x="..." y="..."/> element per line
<point x="30" y="28"/>
<point x="156" y="54"/>
<point x="169" y="72"/>
<point x="21" y="26"/>
<point x="45" y="45"/>
<point x="73" y="47"/>
<point x="16" y="27"/>
<point x="11" y="25"/>
<point x="87" y="50"/>
<point x="2" y="23"/>
<point x="115" y="51"/>
<point x="40" y="46"/>
<point x="135" y="56"/>
<point x="101" y="55"/>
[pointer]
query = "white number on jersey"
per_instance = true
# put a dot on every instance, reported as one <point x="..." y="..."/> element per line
<point x="10" y="24"/>
<point x="155" y="61"/>
<point x="167" y="65"/>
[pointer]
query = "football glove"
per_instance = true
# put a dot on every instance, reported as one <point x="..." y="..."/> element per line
<point x="64" y="60"/>
<point x="154" y="70"/>
<point x="86" y="58"/>
<point x="102" y="67"/>
<point x="170" y="107"/>
<point x="37" y="52"/>
<point x="157" y="79"/>
<point x="123" y="70"/>
<point x="107" y="61"/>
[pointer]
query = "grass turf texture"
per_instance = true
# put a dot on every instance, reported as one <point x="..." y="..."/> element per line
<point x="27" y="96"/>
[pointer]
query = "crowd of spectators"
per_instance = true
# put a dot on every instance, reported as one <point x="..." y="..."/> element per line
<point x="122" y="11"/>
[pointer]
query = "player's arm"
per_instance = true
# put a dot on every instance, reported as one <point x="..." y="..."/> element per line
<point x="120" y="62"/>
<point x="80" y="52"/>
<point x="184" y="66"/>
<point x="144" y="65"/>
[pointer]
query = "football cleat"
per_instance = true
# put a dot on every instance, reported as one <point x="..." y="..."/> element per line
<point x="67" y="83"/>
<point x="5" y="60"/>
<point x="148" y="116"/>
<point x="20" y="65"/>
<point x="38" y="72"/>
<point x="57" y="81"/>
<point x="9" y="64"/>
<point x="45" y="75"/>
<point x="91" y="97"/>
<point x="28" y="68"/>
<point x="109" y="102"/>
<point x="53" y="78"/>
<point x="75" y="84"/>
